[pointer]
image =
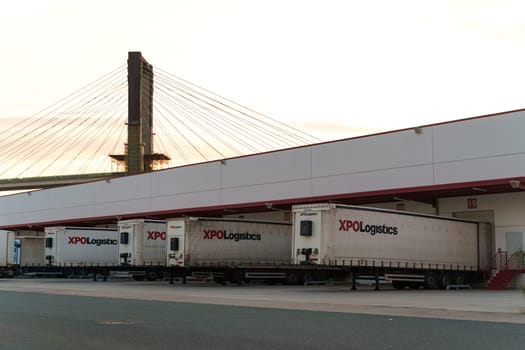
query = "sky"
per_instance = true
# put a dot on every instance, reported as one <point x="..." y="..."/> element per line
<point x="333" y="68"/>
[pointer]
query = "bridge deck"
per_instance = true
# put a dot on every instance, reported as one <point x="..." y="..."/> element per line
<point x="27" y="183"/>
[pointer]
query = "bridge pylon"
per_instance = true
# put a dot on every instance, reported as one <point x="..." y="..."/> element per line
<point x="139" y="154"/>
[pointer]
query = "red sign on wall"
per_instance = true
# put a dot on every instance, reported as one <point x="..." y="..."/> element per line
<point x="472" y="203"/>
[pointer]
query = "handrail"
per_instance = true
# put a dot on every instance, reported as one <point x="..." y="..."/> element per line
<point x="497" y="262"/>
<point x="501" y="262"/>
<point x="516" y="262"/>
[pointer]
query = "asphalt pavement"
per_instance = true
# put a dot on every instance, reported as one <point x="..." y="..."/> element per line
<point x="482" y="305"/>
<point x="59" y="320"/>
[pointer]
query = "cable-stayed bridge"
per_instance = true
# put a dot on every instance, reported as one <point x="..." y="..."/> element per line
<point x="134" y="119"/>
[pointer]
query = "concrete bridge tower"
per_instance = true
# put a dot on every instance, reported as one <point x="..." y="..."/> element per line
<point x="139" y="154"/>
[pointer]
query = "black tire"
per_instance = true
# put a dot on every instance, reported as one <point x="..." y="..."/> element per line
<point x="459" y="278"/>
<point x="292" y="278"/>
<point x="431" y="280"/>
<point x="446" y="279"/>
<point x="151" y="275"/>
<point x="138" y="277"/>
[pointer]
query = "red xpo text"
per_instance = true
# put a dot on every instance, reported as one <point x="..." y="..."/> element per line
<point x="223" y="234"/>
<point x="88" y="240"/>
<point x="359" y="226"/>
<point x="155" y="235"/>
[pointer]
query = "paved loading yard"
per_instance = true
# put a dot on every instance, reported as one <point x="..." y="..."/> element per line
<point x="477" y="304"/>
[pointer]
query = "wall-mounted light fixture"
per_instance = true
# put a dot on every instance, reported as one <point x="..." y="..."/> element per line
<point x="479" y="189"/>
<point x="516" y="184"/>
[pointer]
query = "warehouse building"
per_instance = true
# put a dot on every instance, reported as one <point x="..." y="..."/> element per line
<point x="471" y="168"/>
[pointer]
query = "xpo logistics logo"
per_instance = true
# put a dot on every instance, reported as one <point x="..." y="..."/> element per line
<point x="236" y="237"/>
<point x="91" y="241"/>
<point x="156" y="235"/>
<point x="360" y="226"/>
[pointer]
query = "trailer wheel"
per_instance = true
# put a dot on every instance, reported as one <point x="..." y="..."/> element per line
<point x="151" y="275"/>
<point x="431" y="280"/>
<point x="459" y="278"/>
<point x="446" y="279"/>
<point x="292" y="278"/>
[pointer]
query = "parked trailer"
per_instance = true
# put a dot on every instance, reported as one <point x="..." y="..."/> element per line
<point x="81" y="246"/>
<point x="30" y="250"/>
<point x="142" y="247"/>
<point x="230" y="249"/>
<point x="6" y="253"/>
<point x="408" y="249"/>
<point x="136" y="249"/>
<point x="323" y="242"/>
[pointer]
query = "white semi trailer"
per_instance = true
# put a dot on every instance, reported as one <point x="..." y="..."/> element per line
<point x="142" y="242"/>
<point x="230" y="249"/>
<point x="6" y="253"/>
<point x="324" y="241"/>
<point x="30" y="250"/>
<point x="137" y="248"/>
<point x="81" y="246"/>
<point x="408" y="249"/>
<point x="142" y="247"/>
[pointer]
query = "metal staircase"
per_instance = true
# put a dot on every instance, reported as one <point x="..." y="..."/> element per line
<point x="502" y="269"/>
